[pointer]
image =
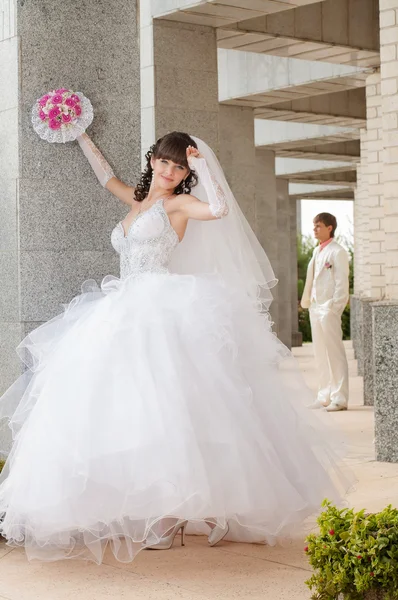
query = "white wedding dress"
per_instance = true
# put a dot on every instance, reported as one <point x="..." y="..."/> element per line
<point x="157" y="395"/>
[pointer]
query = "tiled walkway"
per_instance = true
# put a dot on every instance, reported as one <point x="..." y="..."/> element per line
<point x="197" y="572"/>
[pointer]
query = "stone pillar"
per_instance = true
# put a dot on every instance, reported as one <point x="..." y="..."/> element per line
<point x="181" y="93"/>
<point x="10" y="321"/>
<point x="56" y="218"/>
<point x="238" y="156"/>
<point x="251" y="175"/>
<point x="385" y="314"/>
<point x="284" y="264"/>
<point x="297" y="336"/>
<point x="354" y="324"/>
<point x="266" y="215"/>
<point x="367" y="353"/>
<point x="385" y="369"/>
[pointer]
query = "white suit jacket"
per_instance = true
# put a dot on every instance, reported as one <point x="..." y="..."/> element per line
<point x="327" y="283"/>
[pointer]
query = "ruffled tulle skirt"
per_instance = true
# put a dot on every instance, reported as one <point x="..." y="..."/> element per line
<point x="158" y="396"/>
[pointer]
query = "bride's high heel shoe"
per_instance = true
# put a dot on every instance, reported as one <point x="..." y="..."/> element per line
<point x="166" y="541"/>
<point x="217" y="534"/>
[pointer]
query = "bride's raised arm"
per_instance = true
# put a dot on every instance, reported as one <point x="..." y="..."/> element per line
<point x="104" y="172"/>
<point x="217" y="206"/>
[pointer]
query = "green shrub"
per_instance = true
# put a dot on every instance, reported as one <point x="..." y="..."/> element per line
<point x="346" y="323"/>
<point x="304" y="324"/>
<point x="354" y="554"/>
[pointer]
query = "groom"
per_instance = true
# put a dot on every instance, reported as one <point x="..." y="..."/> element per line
<point x="326" y="294"/>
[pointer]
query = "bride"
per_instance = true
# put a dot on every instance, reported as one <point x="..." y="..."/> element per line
<point x="162" y="399"/>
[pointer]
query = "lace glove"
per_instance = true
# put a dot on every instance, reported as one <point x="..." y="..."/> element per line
<point x="101" y="168"/>
<point x="215" y="194"/>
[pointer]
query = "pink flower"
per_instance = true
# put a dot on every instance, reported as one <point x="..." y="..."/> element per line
<point x="54" y="124"/>
<point x="57" y="99"/>
<point x="306" y="549"/>
<point x="61" y="91"/>
<point x="331" y="531"/>
<point x="69" y="102"/>
<point x="328" y="265"/>
<point x="66" y="118"/>
<point x="54" y="112"/>
<point x="43" y="100"/>
<point x="42" y="115"/>
<point x="75" y="98"/>
<point x="78" y="111"/>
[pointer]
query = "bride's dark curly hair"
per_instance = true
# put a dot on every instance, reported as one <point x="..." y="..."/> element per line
<point x="172" y="146"/>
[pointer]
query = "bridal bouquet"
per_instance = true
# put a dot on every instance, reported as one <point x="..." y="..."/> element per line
<point x="61" y="115"/>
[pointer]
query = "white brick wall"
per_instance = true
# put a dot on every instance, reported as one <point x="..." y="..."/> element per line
<point x="375" y="198"/>
<point x="389" y="131"/>
<point x="7" y="19"/>
<point x="361" y="217"/>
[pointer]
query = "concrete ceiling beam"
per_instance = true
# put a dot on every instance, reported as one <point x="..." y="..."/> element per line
<point x="261" y="81"/>
<point x="294" y="47"/>
<point x="219" y="13"/>
<point x="280" y="136"/>
<point x="342" y="31"/>
<point x="330" y="195"/>
<point x="295" y="116"/>
<point x="295" y="167"/>
<point x="341" y="109"/>
<point x="339" y="152"/>
<point x="296" y="189"/>
<point x="327" y="180"/>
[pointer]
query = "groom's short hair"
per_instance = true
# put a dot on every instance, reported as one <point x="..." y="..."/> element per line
<point x="328" y="220"/>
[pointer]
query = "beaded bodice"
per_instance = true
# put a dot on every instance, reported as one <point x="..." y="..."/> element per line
<point x="149" y="243"/>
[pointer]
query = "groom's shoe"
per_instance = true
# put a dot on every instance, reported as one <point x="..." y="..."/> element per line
<point x="335" y="406"/>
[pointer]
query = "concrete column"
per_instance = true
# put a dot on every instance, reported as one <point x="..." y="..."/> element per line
<point x="266" y="226"/>
<point x="251" y="175"/>
<point x="56" y="218"/>
<point x="238" y="156"/>
<point x="284" y="328"/>
<point x="10" y="322"/>
<point x="295" y="209"/>
<point x="385" y="314"/>
<point x="181" y="93"/>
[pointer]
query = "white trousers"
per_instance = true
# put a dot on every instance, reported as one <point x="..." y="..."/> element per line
<point x="330" y="356"/>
